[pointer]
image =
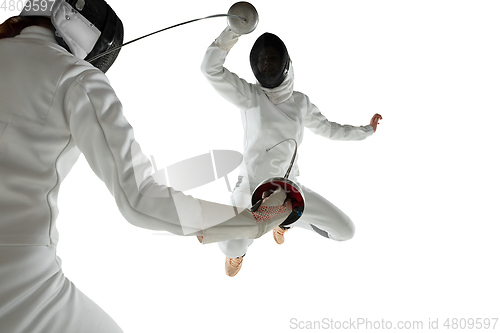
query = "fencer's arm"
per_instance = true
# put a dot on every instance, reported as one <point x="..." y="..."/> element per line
<point x="271" y="213"/>
<point x="231" y="87"/>
<point x="103" y="135"/>
<point x="318" y="124"/>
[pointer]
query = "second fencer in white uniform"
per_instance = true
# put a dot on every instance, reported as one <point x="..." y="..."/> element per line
<point x="271" y="111"/>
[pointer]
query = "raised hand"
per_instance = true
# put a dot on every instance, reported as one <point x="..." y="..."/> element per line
<point x="374" y="121"/>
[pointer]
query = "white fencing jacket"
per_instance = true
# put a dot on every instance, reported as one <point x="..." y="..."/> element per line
<point x="54" y="106"/>
<point x="266" y="124"/>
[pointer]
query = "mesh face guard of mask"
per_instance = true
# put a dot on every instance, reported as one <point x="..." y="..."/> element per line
<point x="85" y="28"/>
<point x="265" y="45"/>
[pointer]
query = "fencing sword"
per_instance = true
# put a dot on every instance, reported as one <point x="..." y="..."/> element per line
<point x="242" y="17"/>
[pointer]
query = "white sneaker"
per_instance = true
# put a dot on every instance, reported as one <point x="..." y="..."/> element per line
<point x="233" y="265"/>
<point x="279" y="234"/>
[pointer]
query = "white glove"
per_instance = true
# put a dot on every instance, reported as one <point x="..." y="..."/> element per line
<point x="271" y="206"/>
<point x="227" y="39"/>
<point x="271" y="213"/>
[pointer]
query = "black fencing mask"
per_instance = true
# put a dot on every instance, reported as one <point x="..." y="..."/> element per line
<point x="269" y="60"/>
<point x="86" y="28"/>
<point x="111" y="27"/>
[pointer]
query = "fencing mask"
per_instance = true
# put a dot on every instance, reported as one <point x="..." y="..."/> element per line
<point x="269" y="60"/>
<point x="85" y="28"/>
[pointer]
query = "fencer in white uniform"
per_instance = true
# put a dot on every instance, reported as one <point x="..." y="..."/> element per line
<point x="271" y="111"/>
<point x="53" y="107"/>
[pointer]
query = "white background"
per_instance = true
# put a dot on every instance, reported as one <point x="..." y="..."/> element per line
<point x="423" y="191"/>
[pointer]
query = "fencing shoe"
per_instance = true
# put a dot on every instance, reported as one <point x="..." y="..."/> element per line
<point x="279" y="234"/>
<point x="233" y="265"/>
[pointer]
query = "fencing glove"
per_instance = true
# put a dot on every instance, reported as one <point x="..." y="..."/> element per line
<point x="227" y="39"/>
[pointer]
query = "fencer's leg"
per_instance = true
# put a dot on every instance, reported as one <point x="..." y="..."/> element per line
<point x="241" y="197"/>
<point x="234" y="248"/>
<point x="324" y="218"/>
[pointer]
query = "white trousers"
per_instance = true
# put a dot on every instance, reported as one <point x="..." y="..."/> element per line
<point x="36" y="297"/>
<point x="320" y="216"/>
